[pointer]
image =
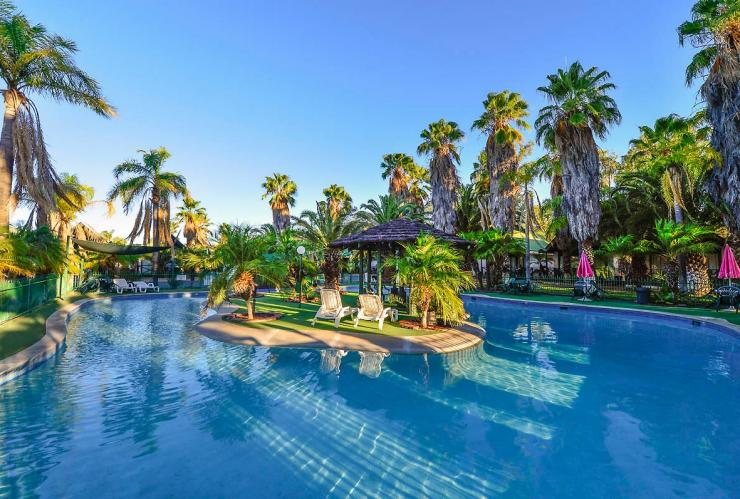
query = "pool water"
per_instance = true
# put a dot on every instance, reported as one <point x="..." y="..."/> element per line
<point x="554" y="404"/>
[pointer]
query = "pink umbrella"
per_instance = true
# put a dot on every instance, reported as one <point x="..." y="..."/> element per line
<point x="584" y="267"/>
<point x="729" y="268"/>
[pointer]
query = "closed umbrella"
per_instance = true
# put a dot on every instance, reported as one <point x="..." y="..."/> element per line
<point x="728" y="269"/>
<point x="584" y="270"/>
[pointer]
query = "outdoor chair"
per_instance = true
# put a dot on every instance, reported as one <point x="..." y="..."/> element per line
<point x="518" y="285"/>
<point x="143" y="287"/>
<point x="121" y="285"/>
<point x="371" y="309"/>
<point x="727" y="296"/>
<point x="586" y="289"/>
<point x="331" y="307"/>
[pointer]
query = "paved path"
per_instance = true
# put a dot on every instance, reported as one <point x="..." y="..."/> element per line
<point x="453" y="340"/>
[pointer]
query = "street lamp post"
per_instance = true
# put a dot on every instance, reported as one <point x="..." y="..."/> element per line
<point x="301" y="250"/>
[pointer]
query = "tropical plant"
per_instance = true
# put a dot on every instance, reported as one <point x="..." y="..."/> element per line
<point x="467" y="209"/>
<point x="418" y="186"/>
<point x="675" y="239"/>
<point x="281" y="190"/>
<point x="579" y="108"/>
<point x="503" y="121"/>
<point x="675" y="149"/>
<point x="432" y="270"/>
<point x="28" y="252"/>
<point x="440" y="141"/>
<point x="34" y="61"/>
<point x="385" y="209"/>
<point x="714" y="28"/>
<point x="194" y="221"/>
<point x="630" y="253"/>
<point x="319" y="228"/>
<point x="610" y="167"/>
<point x="481" y="181"/>
<point x="242" y="254"/>
<point x="548" y="167"/>
<point x="338" y="200"/>
<point x="397" y="169"/>
<point x="496" y="247"/>
<point x="146" y="183"/>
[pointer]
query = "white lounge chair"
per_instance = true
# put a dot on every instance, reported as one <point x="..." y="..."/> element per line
<point x="331" y="307"/>
<point x="121" y="285"/>
<point x="143" y="286"/>
<point x="371" y="309"/>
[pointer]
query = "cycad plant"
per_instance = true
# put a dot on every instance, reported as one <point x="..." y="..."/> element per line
<point x="496" y="247"/>
<point x="281" y="190"/>
<point x="675" y="239"/>
<point x="714" y="29"/>
<point x="34" y="61"/>
<point x="630" y="253"/>
<point x="580" y="108"/>
<point x="440" y="141"/>
<point x="433" y="271"/>
<point x="503" y="120"/>
<point x="242" y="255"/>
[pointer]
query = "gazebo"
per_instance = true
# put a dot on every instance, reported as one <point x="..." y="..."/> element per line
<point x="388" y="237"/>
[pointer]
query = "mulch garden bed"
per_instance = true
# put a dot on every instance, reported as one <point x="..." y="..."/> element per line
<point x="258" y="317"/>
<point x="416" y="324"/>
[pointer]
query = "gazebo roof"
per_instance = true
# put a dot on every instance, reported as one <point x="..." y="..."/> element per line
<point x="393" y="233"/>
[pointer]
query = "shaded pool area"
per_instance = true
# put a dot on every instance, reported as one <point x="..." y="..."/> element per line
<point x="554" y="403"/>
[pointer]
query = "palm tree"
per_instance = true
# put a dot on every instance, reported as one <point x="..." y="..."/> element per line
<point x="385" y="209"/>
<point x="319" y="228"/>
<point x="194" y="219"/>
<point x="579" y="108"/>
<point x="338" y="200"/>
<point x="714" y="29"/>
<point x="502" y="120"/>
<point x="281" y="190"/>
<point x="152" y="188"/>
<point x="33" y="61"/>
<point x="418" y="186"/>
<point x="440" y="141"/>
<point x="496" y="247"/>
<point x="242" y="254"/>
<point x="629" y="251"/>
<point x="672" y="240"/>
<point x="677" y="152"/>
<point x="432" y="269"/>
<point x="396" y="168"/>
<point x="467" y="209"/>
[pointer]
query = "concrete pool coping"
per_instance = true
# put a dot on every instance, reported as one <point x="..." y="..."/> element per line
<point x="713" y="323"/>
<point x="56" y="333"/>
<point x="455" y="339"/>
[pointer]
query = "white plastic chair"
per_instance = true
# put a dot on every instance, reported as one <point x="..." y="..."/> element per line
<point x="143" y="286"/>
<point x="331" y="307"/>
<point x="371" y="309"/>
<point x="121" y="285"/>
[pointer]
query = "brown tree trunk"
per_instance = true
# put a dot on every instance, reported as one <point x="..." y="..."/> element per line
<point x="444" y="182"/>
<point x="502" y="164"/>
<point x="332" y="267"/>
<point x="7" y="158"/>
<point x="579" y="160"/>
<point x="155" y="232"/>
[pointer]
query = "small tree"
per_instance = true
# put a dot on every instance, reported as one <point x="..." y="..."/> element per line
<point x="433" y="271"/>
<point x="497" y="246"/>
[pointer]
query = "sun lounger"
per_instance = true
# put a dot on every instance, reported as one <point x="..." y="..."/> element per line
<point x="371" y="309"/>
<point x="121" y="285"/>
<point x="727" y="296"/>
<point x="143" y="286"/>
<point x="585" y="289"/>
<point x="331" y="307"/>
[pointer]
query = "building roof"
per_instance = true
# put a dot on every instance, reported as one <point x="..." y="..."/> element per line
<point x="393" y="233"/>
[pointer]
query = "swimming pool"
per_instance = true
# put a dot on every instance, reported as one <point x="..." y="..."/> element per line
<point x="555" y="403"/>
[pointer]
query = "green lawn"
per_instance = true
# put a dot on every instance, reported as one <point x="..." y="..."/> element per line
<point x="24" y="331"/>
<point x="729" y="316"/>
<point x="295" y="318"/>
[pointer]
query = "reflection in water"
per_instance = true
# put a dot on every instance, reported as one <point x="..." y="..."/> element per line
<point x="370" y="363"/>
<point x="331" y="360"/>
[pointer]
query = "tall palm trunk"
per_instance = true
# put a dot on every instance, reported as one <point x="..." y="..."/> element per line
<point x="722" y="94"/>
<point x="332" y="267"/>
<point x="7" y="159"/>
<point x="280" y="217"/>
<point x="674" y="181"/>
<point x="502" y="163"/>
<point x="155" y="232"/>
<point x="443" y="178"/>
<point x="579" y="161"/>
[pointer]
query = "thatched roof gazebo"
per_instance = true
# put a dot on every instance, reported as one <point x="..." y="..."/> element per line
<point x="388" y="238"/>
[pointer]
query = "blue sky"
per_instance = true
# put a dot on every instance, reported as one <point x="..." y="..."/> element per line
<point x="320" y="90"/>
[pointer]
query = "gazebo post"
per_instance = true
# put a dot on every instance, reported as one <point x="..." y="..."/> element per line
<point x="379" y="270"/>
<point x="362" y="273"/>
<point x="369" y="265"/>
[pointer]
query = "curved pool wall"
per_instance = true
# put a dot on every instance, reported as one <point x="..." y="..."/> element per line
<point x="554" y="403"/>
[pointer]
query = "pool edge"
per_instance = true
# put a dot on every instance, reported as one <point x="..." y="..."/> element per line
<point x="56" y="333"/>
